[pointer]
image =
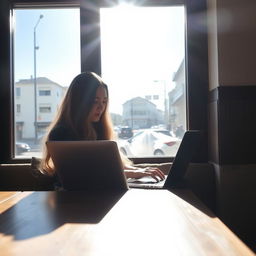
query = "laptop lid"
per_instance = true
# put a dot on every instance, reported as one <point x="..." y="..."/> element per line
<point x="88" y="165"/>
<point x="189" y="145"/>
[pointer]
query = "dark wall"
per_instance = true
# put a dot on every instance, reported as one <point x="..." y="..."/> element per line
<point x="232" y="125"/>
<point x="232" y="112"/>
<point x="232" y="140"/>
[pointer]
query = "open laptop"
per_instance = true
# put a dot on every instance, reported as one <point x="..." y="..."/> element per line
<point x="175" y="178"/>
<point x="88" y="165"/>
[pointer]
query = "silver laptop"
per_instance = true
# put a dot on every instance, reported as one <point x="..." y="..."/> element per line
<point x="175" y="178"/>
<point x="88" y="165"/>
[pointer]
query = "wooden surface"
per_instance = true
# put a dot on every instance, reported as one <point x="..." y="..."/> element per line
<point x="4" y="196"/>
<point x="7" y="199"/>
<point x="139" y="222"/>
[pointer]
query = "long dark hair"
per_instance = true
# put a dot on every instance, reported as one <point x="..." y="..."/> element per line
<point x="74" y="112"/>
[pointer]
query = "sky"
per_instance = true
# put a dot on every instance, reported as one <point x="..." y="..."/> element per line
<point x="58" y="38"/>
<point x="141" y="48"/>
<point x="145" y="46"/>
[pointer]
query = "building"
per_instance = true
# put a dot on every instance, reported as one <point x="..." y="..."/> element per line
<point x="49" y="95"/>
<point x="116" y="119"/>
<point x="177" y="99"/>
<point x="157" y="93"/>
<point x="140" y="113"/>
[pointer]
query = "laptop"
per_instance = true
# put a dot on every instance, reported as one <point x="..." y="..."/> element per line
<point x="175" y="179"/>
<point x="88" y="165"/>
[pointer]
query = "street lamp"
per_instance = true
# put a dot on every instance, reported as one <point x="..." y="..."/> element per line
<point x="165" y="101"/>
<point x="35" y="85"/>
<point x="132" y="113"/>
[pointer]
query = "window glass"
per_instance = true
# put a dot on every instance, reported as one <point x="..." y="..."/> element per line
<point x="46" y="59"/>
<point x="18" y="108"/>
<point x="143" y="62"/>
<point x="44" y="92"/>
<point x="44" y="109"/>
<point x="18" y="91"/>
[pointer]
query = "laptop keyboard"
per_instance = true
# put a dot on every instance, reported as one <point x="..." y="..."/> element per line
<point x="147" y="182"/>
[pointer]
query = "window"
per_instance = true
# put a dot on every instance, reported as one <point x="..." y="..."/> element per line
<point x="18" y="108"/>
<point x="88" y="56"/>
<point x="18" y="91"/>
<point x="49" y="41"/>
<point x="44" y="109"/>
<point x="138" y="59"/>
<point x="44" y="92"/>
<point x="139" y="112"/>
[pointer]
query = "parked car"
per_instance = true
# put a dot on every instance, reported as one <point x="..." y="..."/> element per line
<point x="125" y="132"/>
<point x="164" y="131"/>
<point x="150" y="143"/>
<point x="21" y="147"/>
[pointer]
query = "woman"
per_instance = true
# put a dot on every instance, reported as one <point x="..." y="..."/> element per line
<point x="84" y="115"/>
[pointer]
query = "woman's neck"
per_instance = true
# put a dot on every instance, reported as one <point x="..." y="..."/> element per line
<point x="90" y="132"/>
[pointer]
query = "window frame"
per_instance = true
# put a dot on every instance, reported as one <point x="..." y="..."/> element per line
<point x="196" y="63"/>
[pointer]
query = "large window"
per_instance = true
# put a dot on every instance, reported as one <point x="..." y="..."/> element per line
<point x="153" y="57"/>
<point x="142" y="60"/>
<point x="46" y="58"/>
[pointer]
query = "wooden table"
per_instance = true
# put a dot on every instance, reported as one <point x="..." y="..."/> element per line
<point x="139" y="222"/>
<point x="4" y="196"/>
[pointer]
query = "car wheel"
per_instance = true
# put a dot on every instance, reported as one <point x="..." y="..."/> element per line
<point x="123" y="151"/>
<point x="158" y="152"/>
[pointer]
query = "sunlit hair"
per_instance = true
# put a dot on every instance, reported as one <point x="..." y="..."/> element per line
<point x="74" y="112"/>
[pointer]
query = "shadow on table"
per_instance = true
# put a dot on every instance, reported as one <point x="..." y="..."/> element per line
<point x="42" y="212"/>
<point x="193" y="200"/>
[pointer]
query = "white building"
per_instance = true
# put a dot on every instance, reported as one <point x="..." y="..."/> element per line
<point x="49" y="95"/>
<point x="177" y="99"/>
<point x="140" y="113"/>
<point x="156" y="93"/>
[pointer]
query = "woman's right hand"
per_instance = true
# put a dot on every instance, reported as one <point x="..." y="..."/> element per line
<point x="153" y="172"/>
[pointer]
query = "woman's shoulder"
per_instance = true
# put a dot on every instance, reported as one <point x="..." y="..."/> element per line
<point x="60" y="132"/>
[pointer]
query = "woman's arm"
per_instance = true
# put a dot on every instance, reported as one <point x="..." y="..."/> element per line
<point x="136" y="173"/>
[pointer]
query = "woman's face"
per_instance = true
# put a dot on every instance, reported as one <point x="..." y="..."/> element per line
<point x="99" y="105"/>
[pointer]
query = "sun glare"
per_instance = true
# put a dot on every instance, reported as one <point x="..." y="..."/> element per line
<point x="138" y="46"/>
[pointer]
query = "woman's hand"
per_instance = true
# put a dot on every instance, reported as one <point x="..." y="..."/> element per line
<point x="155" y="173"/>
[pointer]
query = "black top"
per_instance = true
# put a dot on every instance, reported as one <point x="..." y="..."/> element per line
<point x="61" y="133"/>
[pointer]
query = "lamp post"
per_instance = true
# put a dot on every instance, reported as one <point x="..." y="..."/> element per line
<point x="165" y="101"/>
<point x="132" y="113"/>
<point x="35" y="85"/>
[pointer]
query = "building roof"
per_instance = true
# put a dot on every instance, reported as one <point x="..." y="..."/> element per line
<point x="139" y="99"/>
<point x="178" y="70"/>
<point x="39" y="80"/>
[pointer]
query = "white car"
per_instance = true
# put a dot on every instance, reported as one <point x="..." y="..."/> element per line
<point x="149" y="143"/>
<point x="21" y="147"/>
